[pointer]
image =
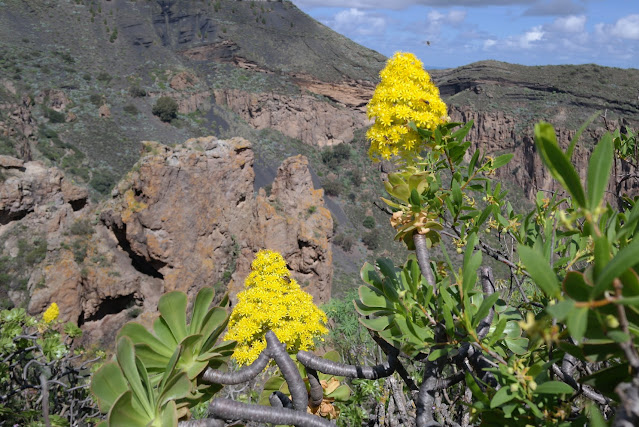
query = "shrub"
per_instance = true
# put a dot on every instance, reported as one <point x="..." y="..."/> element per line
<point x="36" y="351"/>
<point x="54" y="116"/>
<point x="137" y="92"/>
<point x="332" y="187"/>
<point x="334" y="156"/>
<point x="102" y="181"/>
<point x="369" y="222"/>
<point x="371" y="240"/>
<point x="104" y="77"/>
<point x="356" y="177"/>
<point x="165" y="108"/>
<point x="344" y="241"/>
<point x="131" y="109"/>
<point x="96" y="99"/>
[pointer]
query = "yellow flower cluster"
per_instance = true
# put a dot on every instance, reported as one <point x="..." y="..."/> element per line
<point x="272" y="300"/>
<point x="405" y="94"/>
<point x="51" y="313"/>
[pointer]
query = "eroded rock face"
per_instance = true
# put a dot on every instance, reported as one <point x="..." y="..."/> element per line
<point x="186" y="217"/>
<point x="27" y="186"/>
<point x="495" y="133"/>
<point x="304" y="117"/>
<point x="20" y="126"/>
<point x="188" y="209"/>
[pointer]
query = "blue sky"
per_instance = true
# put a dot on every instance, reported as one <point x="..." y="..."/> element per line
<point x="451" y="33"/>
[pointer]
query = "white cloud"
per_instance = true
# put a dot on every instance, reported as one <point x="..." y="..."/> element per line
<point x="626" y="27"/>
<point x="489" y="43"/>
<point x="533" y="35"/>
<point x="435" y="20"/>
<point x="355" y="21"/>
<point x="569" y="24"/>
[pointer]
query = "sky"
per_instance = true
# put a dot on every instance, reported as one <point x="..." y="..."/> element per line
<point x="451" y="33"/>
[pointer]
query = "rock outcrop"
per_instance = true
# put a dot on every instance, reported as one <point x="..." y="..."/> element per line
<point x="19" y="125"/>
<point x="184" y="218"/>
<point x="28" y="186"/>
<point x="313" y="121"/>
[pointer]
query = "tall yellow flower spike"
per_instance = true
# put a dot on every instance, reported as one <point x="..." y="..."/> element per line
<point x="51" y="313"/>
<point x="405" y="94"/>
<point x="272" y="300"/>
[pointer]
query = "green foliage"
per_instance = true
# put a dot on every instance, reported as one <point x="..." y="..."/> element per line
<point x="102" y="181"/>
<point x="33" y="351"/>
<point x="104" y="77"/>
<point x="371" y="240"/>
<point x="131" y="109"/>
<point x="576" y="255"/>
<point x="334" y="156"/>
<point x="137" y="92"/>
<point x="332" y="187"/>
<point x="369" y="222"/>
<point x="54" y="116"/>
<point x="344" y="241"/>
<point x="156" y="377"/>
<point x="165" y="108"/>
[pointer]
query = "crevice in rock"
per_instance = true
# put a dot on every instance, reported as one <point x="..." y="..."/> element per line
<point x="76" y="205"/>
<point x="140" y="263"/>
<point x="110" y="305"/>
<point x="7" y="216"/>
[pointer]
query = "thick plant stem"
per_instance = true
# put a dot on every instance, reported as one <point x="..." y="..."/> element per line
<point x="423" y="259"/>
<point x="245" y="374"/>
<point x="316" y="392"/>
<point x="228" y="409"/>
<point x="426" y="398"/>
<point x="292" y="376"/>
<point x="488" y="286"/>
<point x="351" y="371"/>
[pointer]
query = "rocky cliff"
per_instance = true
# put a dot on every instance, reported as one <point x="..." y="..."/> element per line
<point x="185" y="217"/>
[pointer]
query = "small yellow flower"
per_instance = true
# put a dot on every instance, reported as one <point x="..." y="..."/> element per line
<point x="51" y="313"/>
<point x="405" y="94"/>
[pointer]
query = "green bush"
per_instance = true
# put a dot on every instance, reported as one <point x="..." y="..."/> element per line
<point x="332" y="187"/>
<point x="344" y="241"/>
<point x="102" y="181"/>
<point x="130" y="109"/>
<point x="369" y="222"/>
<point x="165" y="108"/>
<point x="334" y="156"/>
<point x="137" y="92"/>
<point x="54" y="116"/>
<point x="371" y="240"/>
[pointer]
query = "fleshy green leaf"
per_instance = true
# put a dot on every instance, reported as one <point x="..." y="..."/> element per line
<point x="599" y="170"/>
<point x="540" y="271"/>
<point x="126" y="359"/>
<point x="107" y="385"/>
<point x="172" y="307"/>
<point x="502" y="160"/>
<point x="625" y="258"/>
<point x="502" y="396"/>
<point x="200" y="308"/>
<point x="554" y="387"/>
<point x="125" y="414"/>
<point x="578" y="322"/>
<point x="558" y="164"/>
